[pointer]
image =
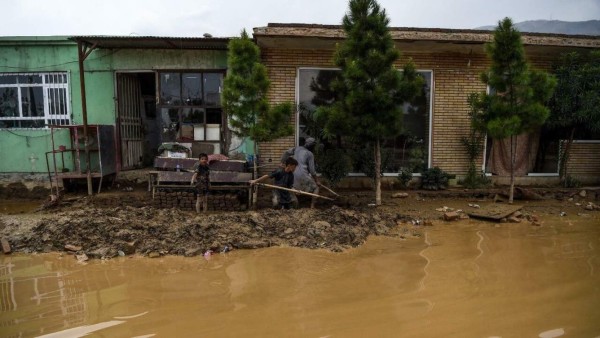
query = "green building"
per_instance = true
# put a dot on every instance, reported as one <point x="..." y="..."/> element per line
<point x="142" y="90"/>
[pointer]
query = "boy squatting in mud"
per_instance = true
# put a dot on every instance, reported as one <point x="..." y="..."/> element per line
<point x="284" y="177"/>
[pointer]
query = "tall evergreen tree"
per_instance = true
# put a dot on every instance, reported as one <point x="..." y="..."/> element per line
<point x="516" y="102"/>
<point x="245" y="97"/>
<point x="370" y="90"/>
<point x="576" y="101"/>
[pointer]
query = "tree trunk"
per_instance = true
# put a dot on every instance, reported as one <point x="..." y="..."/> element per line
<point x="377" y="173"/>
<point x="255" y="176"/>
<point x="512" y="169"/>
<point x="565" y="158"/>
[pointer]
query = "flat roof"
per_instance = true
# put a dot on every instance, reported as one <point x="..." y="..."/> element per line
<point x="411" y="35"/>
<point x="155" y="42"/>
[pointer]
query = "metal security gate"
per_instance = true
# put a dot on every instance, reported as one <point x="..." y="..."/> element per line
<point x="129" y="96"/>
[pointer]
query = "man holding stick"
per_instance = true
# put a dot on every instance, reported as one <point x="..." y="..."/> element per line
<point x="305" y="175"/>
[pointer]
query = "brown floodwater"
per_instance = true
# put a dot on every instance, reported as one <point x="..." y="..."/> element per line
<point x="463" y="279"/>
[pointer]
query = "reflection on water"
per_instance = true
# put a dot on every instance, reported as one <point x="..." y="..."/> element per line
<point x="465" y="279"/>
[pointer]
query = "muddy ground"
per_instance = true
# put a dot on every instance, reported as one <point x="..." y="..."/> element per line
<point x="122" y="220"/>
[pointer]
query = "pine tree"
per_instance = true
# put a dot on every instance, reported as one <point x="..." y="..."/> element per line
<point x="516" y="100"/>
<point x="370" y="90"/>
<point x="245" y="97"/>
<point x="576" y="101"/>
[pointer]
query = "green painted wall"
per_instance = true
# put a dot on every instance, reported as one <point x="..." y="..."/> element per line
<point x="23" y="150"/>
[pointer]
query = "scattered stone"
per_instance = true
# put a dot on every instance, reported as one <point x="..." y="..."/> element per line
<point x="537" y="224"/>
<point x="499" y="198"/>
<point x="74" y="248"/>
<point x="526" y="194"/>
<point x="129" y="247"/>
<point x="578" y="204"/>
<point x="444" y="209"/>
<point x="583" y="214"/>
<point x="583" y="193"/>
<point x="82" y="258"/>
<point x="153" y="254"/>
<point x="563" y="214"/>
<point x="5" y="246"/>
<point x="193" y="252"/>
<point x="514" y="219"/>
<point x="592" y="206"/>
<point x="400" y="195"/>
<point x="517" y="214"/>
<point x="288" y="231"/>
<point x="464" y="216"/>
<point x="428" y="222"/>
<point x="451" y="216"/>
<point x="570" y="199"/>
<point x="477" y="206"/>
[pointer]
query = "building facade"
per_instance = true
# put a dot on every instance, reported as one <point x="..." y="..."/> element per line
<point x="300" y="63"/>
<point x="150" y="89"/>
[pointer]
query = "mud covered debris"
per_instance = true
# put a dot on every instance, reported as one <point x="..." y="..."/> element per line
<point x="103" y="233"/>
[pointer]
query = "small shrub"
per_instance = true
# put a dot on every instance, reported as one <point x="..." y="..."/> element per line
<point x="404" y="176"/>
<point x="435" y="179"/>
<point x="572" y="182"/>
<point x="334" y="164"/>
<point x="475" y="180"/>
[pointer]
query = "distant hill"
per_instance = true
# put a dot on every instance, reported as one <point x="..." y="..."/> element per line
<point x="591" y="27"/>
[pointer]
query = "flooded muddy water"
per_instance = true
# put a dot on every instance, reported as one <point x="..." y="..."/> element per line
<point x="467" y="279"/>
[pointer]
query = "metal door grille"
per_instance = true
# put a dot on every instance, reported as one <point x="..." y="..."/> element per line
<point x="130" y="121"/>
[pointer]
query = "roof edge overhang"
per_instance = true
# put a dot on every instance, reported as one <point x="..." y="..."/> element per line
<point x="411" y="34"/>
<point x="153" y="42"/>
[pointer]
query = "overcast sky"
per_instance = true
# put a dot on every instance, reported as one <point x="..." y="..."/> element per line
<point x="229" y="17"/>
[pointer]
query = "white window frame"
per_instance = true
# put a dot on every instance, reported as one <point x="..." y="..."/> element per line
<point x="431" y="95"/>
<point x="46" y="85"/>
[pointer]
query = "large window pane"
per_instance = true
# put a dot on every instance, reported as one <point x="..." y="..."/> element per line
<point x="314" y="91"/>
<point x="29" y="78"/>
<point x="213" y="83"/>
<point x="8" y="79"/>
<point x="170" y="88"/>
<point x="9" y="102"/>
<point x="32" y="101"/>
<point x="57" y="101"/>
<point x="191" y="89"/>
<point x="410" y="150"/>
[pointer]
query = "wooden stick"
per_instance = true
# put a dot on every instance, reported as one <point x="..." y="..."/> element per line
<point x="294" y="191"/>
<point x="331" y="191"/>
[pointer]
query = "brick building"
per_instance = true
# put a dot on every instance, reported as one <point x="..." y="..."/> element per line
<point x="299" y="56"/>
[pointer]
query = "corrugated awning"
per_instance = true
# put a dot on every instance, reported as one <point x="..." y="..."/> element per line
<point x="155" y="42"/>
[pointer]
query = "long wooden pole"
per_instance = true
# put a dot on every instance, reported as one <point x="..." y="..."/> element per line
<point x="326" y="188"/>
<point x="294" y="191"/>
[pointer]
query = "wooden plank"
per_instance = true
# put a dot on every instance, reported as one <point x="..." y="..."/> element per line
<point x="170" y="163"/>
<point x="494" y="211"/>
<point x="174" y="176"/>
<point x="229" y="177"/>
<point x="5" y="246"/>
<point x="231" y="165"/>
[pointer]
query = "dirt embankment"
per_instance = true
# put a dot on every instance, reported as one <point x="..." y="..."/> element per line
<point x="105" y="233"/>
<point x="124" y="222"/>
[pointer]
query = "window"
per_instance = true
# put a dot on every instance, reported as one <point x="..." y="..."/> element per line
<point x="409" y="150"/>
<point x="190" y="106"/>
<point x="34" y="100"/>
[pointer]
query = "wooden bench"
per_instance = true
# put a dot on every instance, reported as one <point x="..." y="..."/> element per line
<point x="175" y="174"/>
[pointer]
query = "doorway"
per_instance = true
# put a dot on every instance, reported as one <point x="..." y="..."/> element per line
<point x="139" y="133"/>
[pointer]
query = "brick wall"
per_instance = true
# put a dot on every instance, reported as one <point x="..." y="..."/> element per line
<point x="455" y="76"/>
<point x="585" y="162"/>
